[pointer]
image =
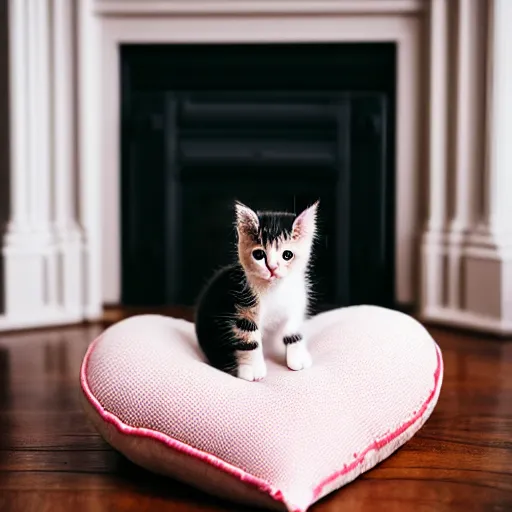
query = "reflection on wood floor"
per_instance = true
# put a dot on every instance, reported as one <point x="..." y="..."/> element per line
<point x="51" y="459"/>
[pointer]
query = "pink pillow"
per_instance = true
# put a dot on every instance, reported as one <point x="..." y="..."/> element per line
<point x="281" y="443"/>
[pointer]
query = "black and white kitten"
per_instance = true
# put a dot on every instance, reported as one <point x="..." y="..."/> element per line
<point x="264" y="294"/>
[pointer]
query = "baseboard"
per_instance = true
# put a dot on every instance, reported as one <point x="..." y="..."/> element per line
<point x="466" y="320"/>
<point x="43" y="320"/>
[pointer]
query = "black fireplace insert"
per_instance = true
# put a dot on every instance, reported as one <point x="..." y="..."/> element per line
<point x="275" y="126"/>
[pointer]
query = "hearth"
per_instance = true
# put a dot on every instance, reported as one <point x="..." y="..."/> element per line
<point x="273" y="125"/>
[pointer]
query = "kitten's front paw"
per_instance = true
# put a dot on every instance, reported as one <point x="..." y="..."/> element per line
<point x="298" y="357"/>
<point x="253" y="372"/>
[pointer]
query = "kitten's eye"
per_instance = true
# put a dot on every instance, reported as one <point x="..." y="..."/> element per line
<point x="258" y="254"/>
<point x="287" y="255"/>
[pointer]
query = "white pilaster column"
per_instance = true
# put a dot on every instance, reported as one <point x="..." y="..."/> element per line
<point x="432" y="250"/>
<point x="489" y="251"/>
<point x="28" y="244"/>
<point x="43" y="275"/>
<point x="465" y="138"/>
<point x="18" y="84"/>
<point x="471" y="286"/>
<point x="90" y="164"/>
<point x="68" y="233"/>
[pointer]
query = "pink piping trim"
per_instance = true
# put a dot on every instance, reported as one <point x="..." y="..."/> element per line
<point x="379" y="444"/>
<point x="260" y="484"/>
<point x="241" y="475"/>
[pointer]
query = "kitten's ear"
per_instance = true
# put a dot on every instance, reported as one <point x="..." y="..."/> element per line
<point x="246" y="219"/>
<point x="304" y="225"/>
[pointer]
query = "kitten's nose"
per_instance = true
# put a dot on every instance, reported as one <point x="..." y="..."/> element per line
<point x="272" y="266"/>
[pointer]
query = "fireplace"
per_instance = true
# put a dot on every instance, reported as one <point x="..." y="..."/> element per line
<point x="61" y="251"/>
<point x="276" y="126"/>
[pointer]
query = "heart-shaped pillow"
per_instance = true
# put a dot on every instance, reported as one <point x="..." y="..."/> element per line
<point x="281" y="443"/>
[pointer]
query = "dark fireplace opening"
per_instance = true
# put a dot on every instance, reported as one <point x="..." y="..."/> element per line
<point x="275" y="126"/>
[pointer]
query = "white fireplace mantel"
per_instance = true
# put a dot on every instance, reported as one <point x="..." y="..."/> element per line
<point x="61" y="249"/>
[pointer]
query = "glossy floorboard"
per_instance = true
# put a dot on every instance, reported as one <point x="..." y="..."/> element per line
<point x="52" y="460"/>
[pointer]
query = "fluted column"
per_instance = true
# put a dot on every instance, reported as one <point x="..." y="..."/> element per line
<point x="489" y="251"/>
<point x="42" y="246"/>
<point x="29" y="244"/>
<point x="68" y="232"/>
<point x="496" y="218"/>
<point x="433" y="238"/>
<point x="90" y="128"/>
<point x="18" y="77"/>
<point x="467" y="245"/>
<point x="467" y="136"/>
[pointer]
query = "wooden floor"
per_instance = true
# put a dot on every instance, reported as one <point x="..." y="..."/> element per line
<point x="51" y="460"/>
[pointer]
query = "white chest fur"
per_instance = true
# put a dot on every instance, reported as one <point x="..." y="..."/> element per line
<point x="282" y="313"/>
<point x="283" y="303"/>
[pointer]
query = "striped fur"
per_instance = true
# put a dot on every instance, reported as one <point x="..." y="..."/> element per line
<point x="256" y="296"/>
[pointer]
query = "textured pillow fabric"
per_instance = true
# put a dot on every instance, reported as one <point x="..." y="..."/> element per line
<point x="283" y="442"/>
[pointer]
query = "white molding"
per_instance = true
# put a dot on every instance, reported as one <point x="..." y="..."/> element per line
<point x="468" y="320"/>
<point x="438" y="113"/>
<point x="459" y="214"/>
<point x="405" y="31"/>
<point x="61" y="265"/>
<point x="18" y="83"/>
<point x="408" y="148"/>
<point x="467" y="246"/>
<point x="432" y="242"/>
<point x="245" y="7"/>
<point x="42" y="245"/>
<point x="64" y="139"/>
<point x="90" y="143"/>
<point x="68" y="233"/>
<point x="498" y="190"/>
<point x="76" y="264"/>
<point x="43" y="317"/>
<point x="489" y="249"/>
<point x="466" y="138"/>
<point x="29" y="244"/>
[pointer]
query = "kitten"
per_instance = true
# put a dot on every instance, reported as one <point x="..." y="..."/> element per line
<point x="265" y="292"/>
